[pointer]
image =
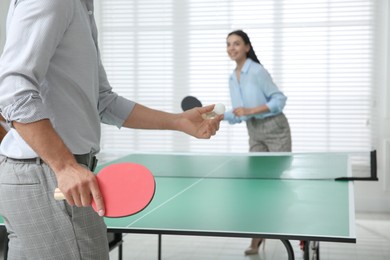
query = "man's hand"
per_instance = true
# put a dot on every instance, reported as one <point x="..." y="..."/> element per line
<point x="79" y="186"/>
<point x="191" y="122"/>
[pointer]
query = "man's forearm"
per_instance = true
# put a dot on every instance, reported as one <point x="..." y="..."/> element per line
<point x="146" y="118"/>
<point x="44" y="140"/>
<point x="3" y="132"/>
<point x="190" y="122"/>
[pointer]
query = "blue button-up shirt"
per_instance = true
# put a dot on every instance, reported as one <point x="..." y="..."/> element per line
<point x="255" y="88"/>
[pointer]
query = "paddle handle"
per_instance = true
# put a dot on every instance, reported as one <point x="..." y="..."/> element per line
<point x="58" y="194"/>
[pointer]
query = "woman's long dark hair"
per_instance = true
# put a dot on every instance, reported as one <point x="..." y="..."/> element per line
<point x="251" y="53"/>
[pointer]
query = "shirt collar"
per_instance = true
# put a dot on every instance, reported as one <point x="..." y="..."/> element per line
<point x="246" y="66"/>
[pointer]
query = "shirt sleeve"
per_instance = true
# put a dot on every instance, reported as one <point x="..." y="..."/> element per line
<point x="113" y="109"/>
<point x="276" y="100"/>
<point x="231" y="118"/>
<point x="34" y="29"/>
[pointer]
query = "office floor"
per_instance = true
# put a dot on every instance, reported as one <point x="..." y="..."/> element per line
<point x="373" y="243"/>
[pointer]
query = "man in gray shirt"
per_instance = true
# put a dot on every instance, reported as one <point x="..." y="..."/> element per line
<point x="54" y="94"/>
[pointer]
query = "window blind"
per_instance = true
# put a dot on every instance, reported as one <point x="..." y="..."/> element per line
<point x="319" y="53"/>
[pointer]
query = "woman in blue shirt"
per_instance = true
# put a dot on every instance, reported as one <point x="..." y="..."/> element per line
<point x="257" y="101"/>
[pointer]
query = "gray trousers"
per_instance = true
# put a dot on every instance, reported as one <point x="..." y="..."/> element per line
<point x="271" y="134"/>
<point x="40" y="227"/>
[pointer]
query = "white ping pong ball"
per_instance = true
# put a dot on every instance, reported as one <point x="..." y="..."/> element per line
<point x="219" y="109"/>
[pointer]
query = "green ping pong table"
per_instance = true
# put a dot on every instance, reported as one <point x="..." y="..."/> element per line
<point x="286" y="196"/>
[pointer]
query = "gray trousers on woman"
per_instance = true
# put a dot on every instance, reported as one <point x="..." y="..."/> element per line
<point x="40" y="227"/>
<point x="271" y="134"/>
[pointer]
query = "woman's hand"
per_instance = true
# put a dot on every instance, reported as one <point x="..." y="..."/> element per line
<point x="242" y="111"/>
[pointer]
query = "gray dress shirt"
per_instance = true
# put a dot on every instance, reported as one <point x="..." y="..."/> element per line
<point x="51" y="69"/>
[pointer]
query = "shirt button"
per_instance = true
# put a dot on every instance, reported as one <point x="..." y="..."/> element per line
<point x="90" y="12"/>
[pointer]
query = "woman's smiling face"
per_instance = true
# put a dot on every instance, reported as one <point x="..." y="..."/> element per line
<point x="236" y="48"/>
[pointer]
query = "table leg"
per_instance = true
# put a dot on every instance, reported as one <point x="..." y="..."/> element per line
<point x="4" y="239"/>
<point x="120" y="252"/>
<point x="311" y="250"/>
<point x="159" y="246"/>
<point x="117" y="242"/>
<point x="290" y="251"/>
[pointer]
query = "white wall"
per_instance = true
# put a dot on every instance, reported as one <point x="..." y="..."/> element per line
<point x="375" y="196"/>
<point x="369" y="196"/>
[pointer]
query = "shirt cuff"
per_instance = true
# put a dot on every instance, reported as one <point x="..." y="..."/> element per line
<point x="231" y="118"/>
<point x="117" y="111"/>
<point x="26" y="109"/>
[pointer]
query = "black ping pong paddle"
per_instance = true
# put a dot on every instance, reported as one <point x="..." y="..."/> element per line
<point x="189" y="102"/>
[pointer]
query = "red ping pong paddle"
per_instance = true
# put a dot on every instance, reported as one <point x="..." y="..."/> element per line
<point x="127" y="188"/>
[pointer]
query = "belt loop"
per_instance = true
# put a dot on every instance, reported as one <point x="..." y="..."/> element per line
<point x="93" y="163"/>
<point x="87" y="159"/>
<point x="38" y="160"/>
